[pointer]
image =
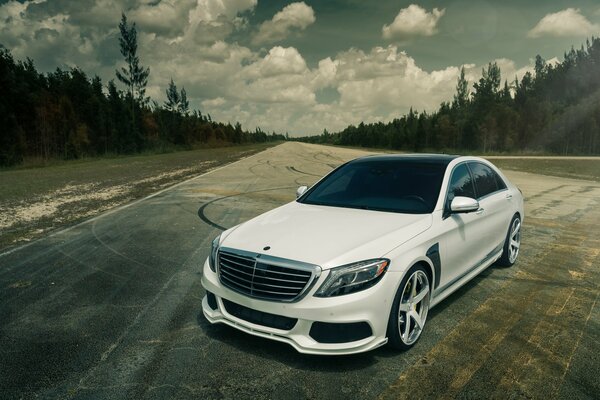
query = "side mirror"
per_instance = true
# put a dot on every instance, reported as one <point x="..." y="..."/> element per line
<point x="464" y="205"/>
<point x="300" y="191"/>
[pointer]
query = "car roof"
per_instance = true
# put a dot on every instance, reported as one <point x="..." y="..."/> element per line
<point x="443" y="159"/>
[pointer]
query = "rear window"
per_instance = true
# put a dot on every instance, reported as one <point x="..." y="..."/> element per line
<point x="485" y="179"/>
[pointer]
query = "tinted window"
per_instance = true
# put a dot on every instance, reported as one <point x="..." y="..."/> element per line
<point x="461" y="183"/>
<point x="500" y="182"/>
<point x="484" y="178"/>
<point x="403" y="186"/>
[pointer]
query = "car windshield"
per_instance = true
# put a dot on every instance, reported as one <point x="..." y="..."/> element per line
<point x="392" y="185"/>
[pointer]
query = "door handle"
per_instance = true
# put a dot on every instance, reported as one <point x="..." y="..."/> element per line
<point x="509" y="196"/>
<point x="480" y="211"/>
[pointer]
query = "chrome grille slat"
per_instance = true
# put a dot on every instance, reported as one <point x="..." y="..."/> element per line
<point x="265" y="277"/>
<point x="272" y="292"/>
<point x="281" y="280"/>
<point x="227" y="267"/>
<point x="275" y="286"/>
<point x="237" y="277"/>
<point x="288" y="273"/>
<point x="237" y="284"/>
<point x="240" y="264"/>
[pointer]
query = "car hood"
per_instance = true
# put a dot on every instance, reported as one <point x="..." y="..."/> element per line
<point x="325" y="236"/>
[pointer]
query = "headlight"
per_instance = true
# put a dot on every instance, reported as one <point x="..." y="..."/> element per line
<point x="353" y="277"/>
<point x="212" y="258"/>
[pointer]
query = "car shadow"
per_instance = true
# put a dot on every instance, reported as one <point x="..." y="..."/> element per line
<point x="449" y="301"/>
<point x="285" y="353"/>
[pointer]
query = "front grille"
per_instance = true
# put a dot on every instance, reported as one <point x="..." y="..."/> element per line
<point x="259" y="317"/>
<point x="265" y="277"/>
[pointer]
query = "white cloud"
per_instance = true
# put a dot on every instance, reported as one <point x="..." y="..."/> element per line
<point x="381" y="84"/>
<point x="279" y="61"/>
<point x="293" y="16"/>
<point x="412" y="21"/>
<point x="569" y="22"/>
<point x="164" y="17"/>
<point x="214" y="20"/>
<point x="274" y="89"/>
<point x="509" y="69"/>
<point x="389" y="81"/>
<point x="216" y="102"/>
<point x="211" y="10"/>
<point x="554" y="61"/>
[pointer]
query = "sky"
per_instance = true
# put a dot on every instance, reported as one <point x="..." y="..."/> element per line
<point x="301" y="67"/>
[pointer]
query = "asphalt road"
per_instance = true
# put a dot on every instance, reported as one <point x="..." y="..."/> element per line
<point x="111" y="308"/>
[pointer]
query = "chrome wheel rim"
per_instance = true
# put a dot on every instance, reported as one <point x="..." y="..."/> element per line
<point x="414" y="305"/>
<point x="514" y="241"/>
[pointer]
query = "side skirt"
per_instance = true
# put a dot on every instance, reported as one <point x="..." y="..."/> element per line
<point x="443" y="292"/>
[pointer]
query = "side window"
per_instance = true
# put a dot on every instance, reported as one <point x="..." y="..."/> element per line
<point x="484" y="178"/>
<point x="500" y="182"/>
<point x="461" y="183"/>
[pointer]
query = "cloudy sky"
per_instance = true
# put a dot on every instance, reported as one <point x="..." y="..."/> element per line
<point x="299" y="67"/>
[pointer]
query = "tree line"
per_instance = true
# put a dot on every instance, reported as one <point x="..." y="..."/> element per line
<point x="554" y="110"/>
<point x="67" y="114"/>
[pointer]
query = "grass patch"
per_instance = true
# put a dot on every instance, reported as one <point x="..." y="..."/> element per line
<point x="586" y="168"/>
<point x="37" y="199"/>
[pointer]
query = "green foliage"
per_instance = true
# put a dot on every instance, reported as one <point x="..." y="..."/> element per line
<point x="67" y="115"/>
<point x="172" y="103"/>
<point x="557" y="110"/>
<point x="135" y="77"/>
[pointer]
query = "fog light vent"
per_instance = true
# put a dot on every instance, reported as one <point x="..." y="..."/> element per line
<point x="212" y="300"/>
<point x="324" y="332"/>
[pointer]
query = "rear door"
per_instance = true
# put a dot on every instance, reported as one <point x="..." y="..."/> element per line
<point x="492" y="196"/>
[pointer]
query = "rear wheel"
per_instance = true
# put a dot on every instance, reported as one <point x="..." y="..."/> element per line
<point x="512" y="244"/>
<point x="409" y="312"/>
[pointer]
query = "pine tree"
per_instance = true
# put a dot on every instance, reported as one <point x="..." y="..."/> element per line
<point x="184" y="104"/>
<point x="173" y="100"/>
<point x="461" y="98"/>
<point x="134" y="76"/>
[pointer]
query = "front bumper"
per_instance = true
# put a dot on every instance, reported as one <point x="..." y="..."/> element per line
<point x="371" y="306"/>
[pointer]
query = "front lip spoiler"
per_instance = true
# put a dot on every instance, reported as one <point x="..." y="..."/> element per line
<point x="361" y="346"/>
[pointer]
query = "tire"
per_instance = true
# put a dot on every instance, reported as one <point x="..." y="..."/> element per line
<point x="512" y="243"/>
<point x="409" y="305"/>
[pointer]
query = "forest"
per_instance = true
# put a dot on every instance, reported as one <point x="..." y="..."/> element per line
<point x="67" y="115"/>
<point x="555" y="110"/>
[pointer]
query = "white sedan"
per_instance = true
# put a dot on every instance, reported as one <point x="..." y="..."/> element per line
<point x="358" y="259"/>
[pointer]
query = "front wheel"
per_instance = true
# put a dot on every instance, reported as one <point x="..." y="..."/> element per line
<point x="512" y="244"/>
<point x="409" y="312"/>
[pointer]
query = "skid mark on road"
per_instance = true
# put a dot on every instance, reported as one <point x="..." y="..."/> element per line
<point x="294" y="169"/>
<point x="544" y="192"/>
<point x="202" y="209"/>
<point x="113" y="250"/>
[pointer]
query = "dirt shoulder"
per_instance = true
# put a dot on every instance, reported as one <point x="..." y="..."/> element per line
<point x="34" y="201"/>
